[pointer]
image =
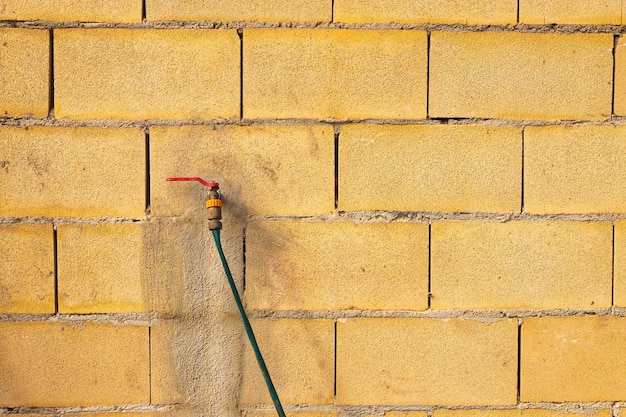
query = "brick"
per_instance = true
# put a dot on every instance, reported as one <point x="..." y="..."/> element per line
<point x="574" y="169"/>
<point x="515" y="75"/>
<point x="330" y="73"/>
<point x="143" y="74"/>
<point x="72" y="10"/>
<point x="619" y="286"/>
<point x="584" y="12"/>
<point x="241" y="10"/>
<point x="300" y="358"/>
<point x="164" y="378"/>
<point x="426" y="361"/>
<point x="573" y="359"/>
<point x="435" y="168"/>
<point x="100" y="269"/>
<point x="475" y="12"/>
<point x="74" y="172"/>
<point x="27" y="265"/>
<point x="24" y="72"/>
<point x="521" y="265"/>
<point x="173" y="412"/>
<point x="620" y="76"/>
<point x="282" y="170"/>
<point x="55" y="364"/>
<point x="336" y="266"/>
<point x="527" y="412"/>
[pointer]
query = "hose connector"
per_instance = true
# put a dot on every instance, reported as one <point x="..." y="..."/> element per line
<point x="214" y="202"/>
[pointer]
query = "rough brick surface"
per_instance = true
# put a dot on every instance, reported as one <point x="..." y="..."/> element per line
<point x="541" y="265"/>
<point x="72" y="10"/>
<point x="520" y="75"/>
<point x="143" y="74"/>
<point x="431" y="168"/>
<point x="402" y="414"/>
<point x="100" y="269"/>
<point x="238" y="10"/>
<point x="473" y="12"/>
<point x="334" y="74"/>
<point x="527" y="412"/>
<point x="75" y="172"/>
<point x="322" y="266"/>
<point x="73" y="364"/>
<point x="24" y="72"/>
<point x="574" y="169"/>
<point x="27" y="268"/>
<point x="619" y="286"/>
<point x="300" y="358"/>
<point x="426" y="361"/>
<point x="573" y="359"/>
<point x="284" y="170"/>
<point x="594" y="12"/>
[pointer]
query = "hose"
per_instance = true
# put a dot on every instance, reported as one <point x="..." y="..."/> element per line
<point x="248" y="327"/>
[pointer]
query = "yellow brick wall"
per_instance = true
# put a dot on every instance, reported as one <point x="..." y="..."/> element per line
<point x="424" y="207"/>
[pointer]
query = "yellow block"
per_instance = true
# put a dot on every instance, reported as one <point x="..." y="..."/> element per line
<point x="512" y="75"/>
<point x="73" y="364"/>
<point x="146" y="74"/>
<point x="430" y="168"/>
<point x="469" y="12"/>
<point x="574" y="169"/>
<point x="241" y="10"/>
<point x="328" y="73"/>
<point x="426" y="361"/>
<point x="72" y="10"/>
<point x="336" y="266"/>
<point x="27" y="265"/>
<point x="300" y="358"/>
<point x="282" y="170"/>
<point x="525" y="265"/>
<point x="25" y="72"/>
<point x="582" y="12"/>
<point x="73" y="172"/>
<point x="100" y="269"/>
<point x="578" y="359"/>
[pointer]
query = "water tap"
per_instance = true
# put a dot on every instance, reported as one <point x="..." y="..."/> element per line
<point x="213" y="203"/>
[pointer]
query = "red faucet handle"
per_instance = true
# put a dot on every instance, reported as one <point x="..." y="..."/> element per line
<point x="208" y="184"/>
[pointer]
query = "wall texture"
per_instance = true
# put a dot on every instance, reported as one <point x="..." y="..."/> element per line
<point x="425" y="207"/>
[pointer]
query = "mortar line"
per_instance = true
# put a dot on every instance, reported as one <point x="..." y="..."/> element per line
<point x="243" y="284"/>
<point x="147" y="168"/>
<point x="55" y="252"/>
<point x="613" y="267"/>
<point x="28" y="121"/>
<point x="517" y="12"/>
<point x="240" y="34"/>
<point x="519" y="360"/>
<point x="615" y="40"/>
<point x="430" y="245"/>
<point x="150" y="362"/>
<point x="143" y="11"/>
<point x="208" y="24"/>
<point x="428" y="75"/>
<point x="522" y="172"/>
<point x="332" y="11"/>
<point x="335" y="367"/>
<point x="51" y="74"/>
<point x="337" y="130"/>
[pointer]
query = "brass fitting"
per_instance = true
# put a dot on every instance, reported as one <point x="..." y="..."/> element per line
<point x="214" y="207"/>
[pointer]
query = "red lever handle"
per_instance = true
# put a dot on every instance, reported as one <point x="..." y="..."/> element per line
<point x="200" y="180"/>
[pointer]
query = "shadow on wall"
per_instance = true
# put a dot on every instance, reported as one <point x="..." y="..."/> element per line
<point x="197" y="340"/>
